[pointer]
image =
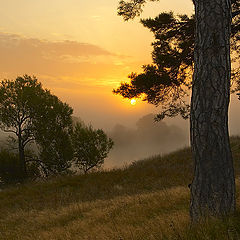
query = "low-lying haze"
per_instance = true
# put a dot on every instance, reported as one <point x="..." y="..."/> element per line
<point x="81" y="50"/>
<point x="147" y="138"/>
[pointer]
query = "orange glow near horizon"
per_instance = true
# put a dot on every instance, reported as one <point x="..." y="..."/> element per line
<point x="90" y="52"/>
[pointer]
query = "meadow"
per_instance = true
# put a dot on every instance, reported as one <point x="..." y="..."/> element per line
<point x="147" y="200"/>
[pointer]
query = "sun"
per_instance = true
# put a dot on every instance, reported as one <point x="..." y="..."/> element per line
<point x="133" y="101"/>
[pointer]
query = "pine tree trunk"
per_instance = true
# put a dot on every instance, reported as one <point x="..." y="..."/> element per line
<point x="213" y="186"/>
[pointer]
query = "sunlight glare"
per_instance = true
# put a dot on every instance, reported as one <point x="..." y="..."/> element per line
<point x="133" y="101"/>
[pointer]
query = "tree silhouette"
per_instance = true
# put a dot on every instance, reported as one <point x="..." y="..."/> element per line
<point x="18" y="110"/>
<point x="90" y="146"/>
<point x="166" y="82"/>
<point x="213" y="186"/>
<point x="53" y="135"/>
<point x="31" y="113"/>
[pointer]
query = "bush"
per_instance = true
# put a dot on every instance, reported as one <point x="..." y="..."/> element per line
<point x="10" y="168"/>
<point x="90" y="147"/>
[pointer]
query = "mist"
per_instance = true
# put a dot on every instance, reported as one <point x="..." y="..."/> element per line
<point x="148" y="138"/>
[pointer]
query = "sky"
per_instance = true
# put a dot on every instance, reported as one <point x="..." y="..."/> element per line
<point x="81" y="50"/>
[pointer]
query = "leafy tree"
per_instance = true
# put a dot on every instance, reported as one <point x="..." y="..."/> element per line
<point x="32" y="114"/>
<point x="56" y="154"/>
<point x="90" y="147"/>
<point x="18" y="101"/>
<point x="53" y="136"/>
<point x="213" y="187"/>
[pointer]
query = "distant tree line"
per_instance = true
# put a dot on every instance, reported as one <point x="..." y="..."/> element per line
<point x="35" y="118"/>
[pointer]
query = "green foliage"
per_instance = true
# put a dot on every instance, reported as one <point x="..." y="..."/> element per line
<point x="56" y="153"/>
<point x="18" y="101"/>
<point x="18" y="111"/>
<point x="34" y="114"/>
<point x="131" y="9"/>
<point x="167" y="80"/>
<point x="34" y="170"/>
<point x="10" y="167"/>
<point x="90" y="146"/>
<point x="53" y="135"/>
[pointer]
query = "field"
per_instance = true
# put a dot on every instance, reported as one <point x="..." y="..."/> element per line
<point x="147" y="200"/>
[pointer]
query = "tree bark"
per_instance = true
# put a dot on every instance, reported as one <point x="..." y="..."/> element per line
<point x="22" y="156"/>
<point x="213" y="186"/>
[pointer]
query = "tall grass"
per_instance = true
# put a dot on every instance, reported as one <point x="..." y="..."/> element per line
<point x="148" y="200"/>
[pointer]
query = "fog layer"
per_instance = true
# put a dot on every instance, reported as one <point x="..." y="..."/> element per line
<point x="148" y="138"/>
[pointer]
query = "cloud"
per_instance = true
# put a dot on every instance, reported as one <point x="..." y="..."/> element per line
<point x="44" y="47"/>
<point x="66" y="58"/>
<point x="67" y="62"/>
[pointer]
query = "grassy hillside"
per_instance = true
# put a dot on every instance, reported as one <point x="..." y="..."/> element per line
<point x="148" y="200"/>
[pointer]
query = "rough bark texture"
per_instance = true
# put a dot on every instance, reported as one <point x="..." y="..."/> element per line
<point x="213" y="186"/>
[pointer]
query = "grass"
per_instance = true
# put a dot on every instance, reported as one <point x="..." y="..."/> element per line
<point x="148" y="200"/>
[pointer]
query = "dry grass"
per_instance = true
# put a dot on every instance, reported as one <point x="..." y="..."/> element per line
<point x="127" y="217"/>
<point x="148" y="200"/>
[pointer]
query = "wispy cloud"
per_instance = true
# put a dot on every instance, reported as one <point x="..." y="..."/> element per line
<point x="70" y="63"/>
<point x="72" y="48"/>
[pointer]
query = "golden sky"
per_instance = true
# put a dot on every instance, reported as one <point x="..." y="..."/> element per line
<point x="80" y="50"/>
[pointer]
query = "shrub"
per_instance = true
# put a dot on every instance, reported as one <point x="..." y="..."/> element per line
<point x="90" y="147"/>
